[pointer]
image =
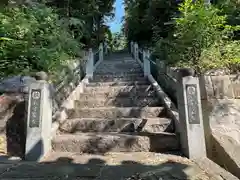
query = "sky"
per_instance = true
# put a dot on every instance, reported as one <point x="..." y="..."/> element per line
<point x="115" y="25"/>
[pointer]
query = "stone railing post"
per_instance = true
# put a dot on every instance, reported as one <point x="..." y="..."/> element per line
<point x="146" y="63"/>
<point x="136" y="51"/>
<point x="101" y="52"/>
<point x="105" y="48"/>
<point x="190" y="115"/>
<point x="131" y="47"/>
<point x="90" y="64"/>
<point x="39" y="119"/>
<point x="162" y="67"/>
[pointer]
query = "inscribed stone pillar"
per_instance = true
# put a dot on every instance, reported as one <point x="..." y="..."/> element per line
<point x="190" y="116"/>
<point x="39" y="121"/>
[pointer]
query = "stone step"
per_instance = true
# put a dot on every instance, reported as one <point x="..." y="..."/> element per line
<point x="151" y="125"/>
<point x="96" y="143"/>
<point x="122" y="63"/>
<point x="118" y="67"/>
<point x="116" y="112"/>
<point x="118" y="74"/>
<point x="126" y="72"/>
<point x="114" y="94"/>
<point x="92" y="102"/>
<point x="127" y="83"/>
<point x="120" y="89"/>
<point x="119" y="78"/>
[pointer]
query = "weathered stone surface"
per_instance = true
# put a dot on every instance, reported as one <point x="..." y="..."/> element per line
<point x="119" y="83"/>
<point x="222" y="87"/>
<point x="152" y="125"/>
<point x="235" y="80"/>
<point x="119" y="89"/>
<point x="115" y="78"/>
<point x="117" y="112"/>
<point x="206" y="87"/>
<point x="119" y="102"/>
<point x="217" y="72"/>
<point x="224" y="117"/>
<point x="114" y="94"/>
<point x="112" y="86"/>
<point x="226" y="152"/>
<point x="215" y="171"/>
<point x="221" y="118"/>
<point x="115" y="142"/>
<point x="109" y="67"/>
<point x="118" y="69"/>
<point x="12" y="124"/>
<point x="16" y="84"/>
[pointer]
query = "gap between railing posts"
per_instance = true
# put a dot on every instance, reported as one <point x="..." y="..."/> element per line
<point x="95" y="58"/>
<point x="141" y="56"/>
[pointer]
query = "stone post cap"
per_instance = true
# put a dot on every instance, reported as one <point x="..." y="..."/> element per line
<point x="41" y="76"/>
<point x="183" y="72"/>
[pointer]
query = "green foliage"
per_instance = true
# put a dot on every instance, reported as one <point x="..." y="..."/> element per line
<point x="201" y="39"/>
<point x="85" y="18"/>
<point x="118" y="42"/>
<point x="48" y="34"/>
<point x="187" y="33"/>
<point x="145" y="20"/>
<point x="32" y="40"/>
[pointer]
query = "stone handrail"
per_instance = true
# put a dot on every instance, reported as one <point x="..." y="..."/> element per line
<point x="187" y="117"/>
<point x="51" y="109"/>
<point x="219" y="94"/>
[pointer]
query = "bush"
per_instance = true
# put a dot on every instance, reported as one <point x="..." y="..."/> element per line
<point x="201" y="39"/>
<point x="32" y="39"/>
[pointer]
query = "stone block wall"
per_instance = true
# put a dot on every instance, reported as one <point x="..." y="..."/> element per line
<point x="220" y="87"/>
<point x="12" y="124"/>
<point x="221" y="115"/>
<point x="220" y="97"/>
<point x="13" y="111"/>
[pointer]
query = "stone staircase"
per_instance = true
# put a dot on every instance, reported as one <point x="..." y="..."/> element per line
<point x="118" y="112"/>
<point x="115" y="132"/>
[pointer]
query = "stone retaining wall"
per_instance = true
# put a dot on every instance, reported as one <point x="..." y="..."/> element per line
<point x="220" y="87"/>
<point x="13" y="112"/>
<point x="220" y="96"/>
<point x="212" y="86"/>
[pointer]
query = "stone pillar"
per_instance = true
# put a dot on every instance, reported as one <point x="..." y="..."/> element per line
<point x="101" y="52"/>
<point x="136" y="51"/>
<point x="146" y="63"/>
<point x="90" y="64"/>
<point x="190" y="115"/>
<point x="39" y="120"/>
<point x="131" y="47"/>
<point x="105" y="48"/>
<point x="162" y="67"/>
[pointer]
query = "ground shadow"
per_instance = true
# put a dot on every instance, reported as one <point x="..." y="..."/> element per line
<point x="98" y="168"/>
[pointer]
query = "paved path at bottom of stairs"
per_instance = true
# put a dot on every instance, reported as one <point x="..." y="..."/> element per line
<point x="112" y="166"/>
